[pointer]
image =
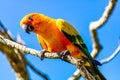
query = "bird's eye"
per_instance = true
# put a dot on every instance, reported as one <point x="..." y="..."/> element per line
<point x="27" y="28"/>
<point x="30" y="28"/>
<point x="30" y="18"/>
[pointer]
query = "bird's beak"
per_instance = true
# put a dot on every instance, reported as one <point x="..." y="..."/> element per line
<point x="27" y="28"/>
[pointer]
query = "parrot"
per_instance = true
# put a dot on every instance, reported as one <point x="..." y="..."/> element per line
<point x="56" y="35"/>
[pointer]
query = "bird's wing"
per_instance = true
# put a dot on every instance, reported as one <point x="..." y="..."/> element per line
<point x="71" y="34"/>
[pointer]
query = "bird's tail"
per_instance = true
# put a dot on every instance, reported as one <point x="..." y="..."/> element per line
<point x="93" y="70"/>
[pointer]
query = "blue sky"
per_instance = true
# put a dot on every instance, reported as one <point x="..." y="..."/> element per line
<point x="79" y="13"/>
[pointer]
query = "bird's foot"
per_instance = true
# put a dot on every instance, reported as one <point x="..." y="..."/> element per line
<point x="63" y="54"/>
<point x="42" y="56"/>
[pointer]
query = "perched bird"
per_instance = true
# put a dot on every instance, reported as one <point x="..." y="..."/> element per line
<point x="57" y="35"/>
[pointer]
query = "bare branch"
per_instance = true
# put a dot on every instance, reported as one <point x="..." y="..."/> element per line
<point x="112" y="56"/>
<point x="97" y="24"/>
<point x="19" y="40"/>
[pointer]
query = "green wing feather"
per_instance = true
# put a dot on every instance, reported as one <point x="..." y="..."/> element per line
<point x="70" y="32"/>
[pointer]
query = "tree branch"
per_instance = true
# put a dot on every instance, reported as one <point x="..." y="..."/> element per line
<point x="112" y="56"/>
<point x="97" y="24"/>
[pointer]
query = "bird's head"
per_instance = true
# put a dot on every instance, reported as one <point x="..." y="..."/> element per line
<point x="32" y="22"/>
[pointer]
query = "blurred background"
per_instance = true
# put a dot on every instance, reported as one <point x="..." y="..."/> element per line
<point x="79" y="13"/>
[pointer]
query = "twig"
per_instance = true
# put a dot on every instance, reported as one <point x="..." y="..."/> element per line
<point x="111" y="57"/>
<point x="97" y="24"/>
<point x="4" y="31"/>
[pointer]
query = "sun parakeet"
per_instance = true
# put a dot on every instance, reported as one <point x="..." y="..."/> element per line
<point x="57" y="35"/>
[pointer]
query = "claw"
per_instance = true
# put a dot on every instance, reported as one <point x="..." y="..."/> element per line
<point x="63" y="54"/>
<point x="42" y="56"/>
